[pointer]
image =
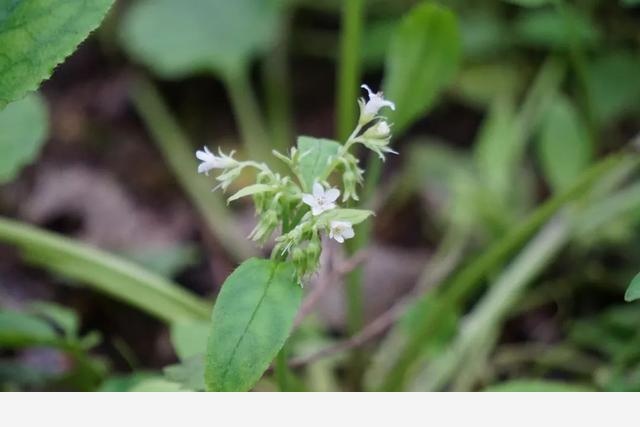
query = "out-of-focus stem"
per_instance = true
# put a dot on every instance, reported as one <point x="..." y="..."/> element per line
<point x="349" y="65"/>
<point x="247" y="113"/>
<point x="180" y="156"/>
<point x="276" y="77"/>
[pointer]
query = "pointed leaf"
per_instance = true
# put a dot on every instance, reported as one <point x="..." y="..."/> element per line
<point x="251" y="320"/>
<point x="250" y="190"/>
<point x="423" y="58"/>
<point x="354" y="216"/>
<point x="564" y="146"/>
<point x="37" y="35"/>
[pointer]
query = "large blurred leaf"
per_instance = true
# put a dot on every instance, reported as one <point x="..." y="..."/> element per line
<point x="549" y="29"/>
<point x="497" y="150"/>
<point x="251" y="320"/>
<point x="36" y="35"/>
<point x="535" y="385"/>
<point x="179" y="38"/>
<point x="316" y="154"/>
<point x="23" y="129"/>
<point x="423" y="58"/>
<point x="613" y="84"/>
<point x="633" y="292"/>
<point x="564" y="146"/>
<point x="105" y="272"/>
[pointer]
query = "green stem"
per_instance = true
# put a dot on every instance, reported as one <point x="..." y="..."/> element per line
<point x="104" y="272"/>
<point x="463" y="285"/>
<point x="349" y="65"/>
<point x="247" y="113"/>
<point x="177" y="152"/>
<point x="276" y="79"/>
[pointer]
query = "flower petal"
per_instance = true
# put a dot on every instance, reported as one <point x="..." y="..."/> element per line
<point x="331" y="195"/>
<point x="201" y="155"/>
<point x="308" y="199"/>
<point x="318" y="190"/>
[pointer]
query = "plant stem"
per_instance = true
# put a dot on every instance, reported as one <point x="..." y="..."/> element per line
<point x="463" y="285"/>
<point x="177" y="152"/>
<point x="105" y="272"/>
<point x="276" y="79"/>
<point x="247" y="113"/>
<point x="349" y="65"/>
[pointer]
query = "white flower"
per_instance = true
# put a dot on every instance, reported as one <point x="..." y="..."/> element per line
<point x="321" y="200"/>
<point x="211" y="161"/>
<point x="340" y="230"/>
<point x="380" y="130"/>
<point x="373" y="105"/>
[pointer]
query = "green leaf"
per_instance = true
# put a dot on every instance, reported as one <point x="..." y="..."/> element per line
<point x="497" y="152"/>
<point x="633" y="291"/>
<point x="189" y="338"/>
<point x="354" y="216"/>
<point x="315" y="157"/>
<point x="189" y="373"/>
<point x="37" y="35"/>
<point x="156" y="385"/>
<point x="104" y="272"/>
<point x="250" y="190"/>
<point x="547" y="28"/>
<point x="251" y="321"/>
<point x="23" y="127"/>
<point x="423" y="58"/>
<point x="180" y="38"/>
<point x="564" y="146"/>
<point x="22" y="329"/>
<point x="612" y="101"/>
<point x="535" y="385"/>
<point x="66" y="319"/>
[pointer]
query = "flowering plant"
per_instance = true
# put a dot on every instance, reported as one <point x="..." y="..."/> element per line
<point x="305" y="204"/>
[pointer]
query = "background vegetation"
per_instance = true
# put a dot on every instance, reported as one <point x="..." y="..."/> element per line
<point x="506" y="231"/>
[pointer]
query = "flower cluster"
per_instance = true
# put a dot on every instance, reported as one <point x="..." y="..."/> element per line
<point x="305" y="205"/>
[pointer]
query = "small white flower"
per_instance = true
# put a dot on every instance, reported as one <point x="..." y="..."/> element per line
<point x="211" y="161"/>
<point x="340" y="230"/>
<point x="380" y="130"/>
<point x="374" y="104"/>
<point x="321" y="200"/>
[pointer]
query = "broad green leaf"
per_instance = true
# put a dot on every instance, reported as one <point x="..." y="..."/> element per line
<point x="22" y="329"/>
<point x="497" y="150"/>
<point x="535" y="385"/>
<point x="316" y="155"/>
<point x="37" y="35"/>
<point x="633" y="291"/>
<point x="190" y="338"/>
<point x="564" y="147"/>
<point x="23" y="129"/>
<point x="180" y="38"/>
<point x="354" y="216"/>
<point x="104" y="272"/>
<point x="423" y="58"/>
<point x="613" y="84"/>
<point x="480" y="84"/>
<point x="250" y="190"/>
<point x="189" y="374"/>
<point x="251" y="321"/>
<point x="630" y="3"/>
<point x="549" y="29"/>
